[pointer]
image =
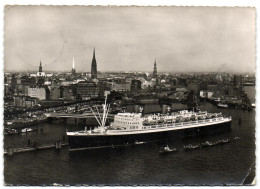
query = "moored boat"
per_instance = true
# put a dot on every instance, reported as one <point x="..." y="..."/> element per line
<point x="167" y="149"/>
<point x="25" y="130"/>
<point x="206" y="144"/>
<point x="221" y="105"/>
<point x="137" y="142"/>
<point x="223" y="141"/>
<point x="10" y="131"/>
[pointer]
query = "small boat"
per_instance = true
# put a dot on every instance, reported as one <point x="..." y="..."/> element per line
<point x="205" y="144"/>
<point x="56" y="184"/>
<point x="223" y="141"/>
<point x="10" y="131"/>
<point x="253" y="105"/>
<point x="191" y="147"/>
<point x="25" y="130"/>
<point x="166" y="149"/>
<point x="221" y="105"/>
<point x="136" y="142"/>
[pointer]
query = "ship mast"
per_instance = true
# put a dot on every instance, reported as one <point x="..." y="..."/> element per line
<point x="102" y="121"/>
<point x="105" y="113"/>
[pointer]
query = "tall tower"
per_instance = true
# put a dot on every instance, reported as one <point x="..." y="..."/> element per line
<point x="40" y="67"/>
<point x="73" y="71"/>
<point x="94" y="67"/>
<point x="155" y="69"/>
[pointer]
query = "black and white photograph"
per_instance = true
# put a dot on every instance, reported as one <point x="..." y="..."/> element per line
<point x="129" y="96"/>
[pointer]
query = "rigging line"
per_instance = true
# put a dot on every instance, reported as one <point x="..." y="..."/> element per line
<point x="104" y="113"/>
<point x="104" y="108"/>
<point x="107" y="113"/>
<point x="95" y="116"/>
<point x="98" y="114"/>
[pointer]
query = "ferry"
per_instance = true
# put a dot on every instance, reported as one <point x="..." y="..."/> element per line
<point x="127" y="128"/>
<point x="221" y="105"/>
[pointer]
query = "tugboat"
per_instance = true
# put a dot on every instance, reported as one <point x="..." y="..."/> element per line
<point x="166" y="149"/>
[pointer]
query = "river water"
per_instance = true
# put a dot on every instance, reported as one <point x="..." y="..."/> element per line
<point x="138" y="164"/>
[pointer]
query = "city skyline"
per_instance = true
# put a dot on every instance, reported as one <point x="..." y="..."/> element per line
<point x="181" y="39"/>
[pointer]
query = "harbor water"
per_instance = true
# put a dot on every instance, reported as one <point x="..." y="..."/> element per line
<point x="136" y="164"/>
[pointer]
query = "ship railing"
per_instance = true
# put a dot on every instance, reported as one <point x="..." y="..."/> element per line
<point x="187" y="123"/>
<point x="160" y="126"/>
<point x="199" y="121"/>
<point x="171" y="125"/>
<point x="178" y="124"/>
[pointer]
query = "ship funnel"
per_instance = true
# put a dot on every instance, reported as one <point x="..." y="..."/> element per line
<point x="137" y="108"/>
<point x="165" y="108"/>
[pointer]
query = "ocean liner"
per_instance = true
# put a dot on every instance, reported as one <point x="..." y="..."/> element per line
<point x="135" y="128"/>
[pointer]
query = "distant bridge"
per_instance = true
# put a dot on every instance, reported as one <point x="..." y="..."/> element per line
<point x="69" y="115"/>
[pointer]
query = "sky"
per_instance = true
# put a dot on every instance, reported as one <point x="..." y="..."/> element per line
<point x="181" y="39"/>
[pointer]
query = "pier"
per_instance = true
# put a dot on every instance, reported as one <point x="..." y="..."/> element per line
<point x="58" y="145"/>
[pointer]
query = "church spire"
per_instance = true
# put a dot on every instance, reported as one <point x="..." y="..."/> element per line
<point x="94" y="66"/>
<point x="40" y="67"/>
<point x="155" y="69"/>
<point x="73" y="71"/>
